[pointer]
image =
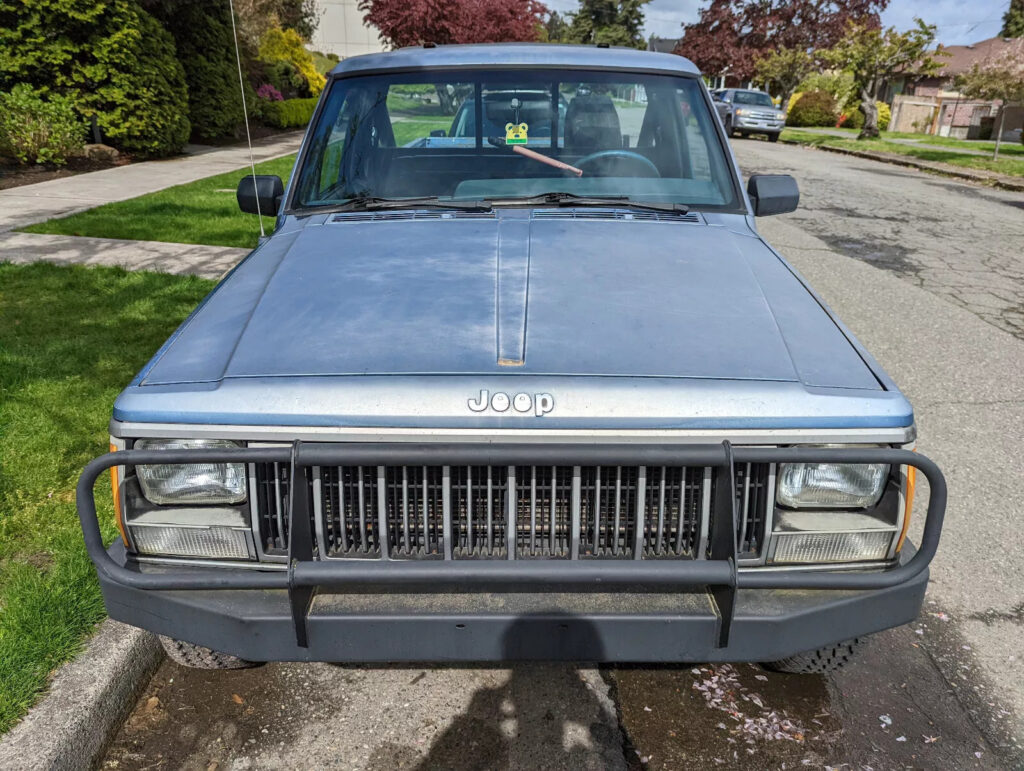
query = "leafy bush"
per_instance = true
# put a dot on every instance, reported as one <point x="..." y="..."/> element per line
<point x="285" y="46"/>
<point x="291" y="113"/>
<point x="38" y="130"/>
<point x="205" y="48"/>
<point x="884" y="116"/>
<point x="112" y="59"/>
<point x="854" y="118"/>
<point x="838" y="83"/>
<point x="814" y="108"/>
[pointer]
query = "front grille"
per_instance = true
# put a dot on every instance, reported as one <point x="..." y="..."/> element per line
<point x="537" y="512"/>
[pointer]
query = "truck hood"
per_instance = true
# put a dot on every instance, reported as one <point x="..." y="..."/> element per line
<point x="541" y="293"/>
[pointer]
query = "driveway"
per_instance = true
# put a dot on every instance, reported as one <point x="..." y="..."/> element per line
<point x="929" y="274"/>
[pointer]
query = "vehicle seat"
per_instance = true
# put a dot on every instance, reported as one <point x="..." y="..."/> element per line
<point x="592" y="124"/>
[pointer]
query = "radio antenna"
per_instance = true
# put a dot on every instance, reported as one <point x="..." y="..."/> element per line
<point x="245" y="114"/>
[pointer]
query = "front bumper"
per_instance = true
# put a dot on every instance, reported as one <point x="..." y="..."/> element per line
<point x="257" y="625"/>
<point x="756" y="124"/>
<point x="703" y="609"/>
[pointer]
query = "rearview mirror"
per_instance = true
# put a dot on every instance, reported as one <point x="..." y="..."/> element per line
<point x="773" y="194"/>
<point x="264" y="190"/>
<point x="438" y="133"/>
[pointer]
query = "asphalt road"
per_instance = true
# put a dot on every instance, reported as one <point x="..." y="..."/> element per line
<point x="929" y="273"/>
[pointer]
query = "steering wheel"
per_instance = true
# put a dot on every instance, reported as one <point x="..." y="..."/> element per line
<point x="643" y="164"/>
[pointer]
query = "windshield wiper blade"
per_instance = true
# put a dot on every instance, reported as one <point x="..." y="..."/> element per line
<point x="376" y="203"/>
<point x="561" y="198"/>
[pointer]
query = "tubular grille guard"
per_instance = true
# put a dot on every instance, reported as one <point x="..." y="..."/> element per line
<point x="305" y="575"/>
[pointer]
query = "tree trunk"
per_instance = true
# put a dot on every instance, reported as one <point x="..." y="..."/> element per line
<point x="999" y="131"/>
<point x="870" y="110"/>
<point x="784" y="99"/>
<point x="446" y="98"/>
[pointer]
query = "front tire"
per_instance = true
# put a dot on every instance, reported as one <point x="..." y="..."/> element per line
<point x="728" y="127"/>
<point x="773" y="137"/>
<point x="817" y="662"/>
<point x="199" y="657"/>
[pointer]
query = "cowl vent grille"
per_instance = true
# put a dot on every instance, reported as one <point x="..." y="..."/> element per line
<point x="416" y="214"/>
<point x="637" y="215"/>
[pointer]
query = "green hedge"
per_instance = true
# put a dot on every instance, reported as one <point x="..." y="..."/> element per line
<point x="202" y="37"/>
<point x="290" y="113"/>
<point x="814" y="108"/>
<point x="111" y="58"/>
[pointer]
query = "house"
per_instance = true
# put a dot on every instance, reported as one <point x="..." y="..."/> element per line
<point x="662" y="45"/>
<point x="933" y="105"/>
<point x="342" y="31"/>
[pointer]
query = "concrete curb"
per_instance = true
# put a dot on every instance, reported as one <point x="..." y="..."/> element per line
<point x="88" y="700"/>
<point x="1003" y="183"/>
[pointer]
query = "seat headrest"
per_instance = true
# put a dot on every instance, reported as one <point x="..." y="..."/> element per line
<point x="591" y="123"/>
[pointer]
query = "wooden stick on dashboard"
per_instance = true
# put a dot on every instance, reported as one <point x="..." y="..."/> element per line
<point x="545" y="159"/>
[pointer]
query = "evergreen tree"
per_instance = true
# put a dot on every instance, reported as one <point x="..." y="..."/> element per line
<point x="206" y="50"/>
<point x="609" y="22"/>
<point x="1013" y="20"/>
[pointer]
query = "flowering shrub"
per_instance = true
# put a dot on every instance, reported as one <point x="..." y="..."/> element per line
<point x="284" y="46"/>
<point x="268" y="92"/>
<point x="33" y="129"/>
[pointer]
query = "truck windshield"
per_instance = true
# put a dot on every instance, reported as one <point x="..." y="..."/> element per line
<point x="507" y="135"/>
<point x="757" y="98"/>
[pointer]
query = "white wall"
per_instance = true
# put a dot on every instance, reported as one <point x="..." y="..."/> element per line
<point x="341" y="30"/>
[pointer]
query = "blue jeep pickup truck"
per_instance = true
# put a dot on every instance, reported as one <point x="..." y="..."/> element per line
<point x="537" y="392"/>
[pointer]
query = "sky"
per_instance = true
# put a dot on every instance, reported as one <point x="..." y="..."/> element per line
<point x="958" y="22"/>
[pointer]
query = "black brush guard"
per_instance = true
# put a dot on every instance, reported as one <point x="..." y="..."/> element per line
<point x="718" y="572"/>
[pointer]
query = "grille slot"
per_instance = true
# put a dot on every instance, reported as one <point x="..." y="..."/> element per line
<point x="752" y="500"/>
<point x="414" y="511"/>
<point x="271" y="492"/>
<point x="348" y="508"/>
<point x="479" y="511"/>
<point x="540" y="512"/>
<point x="672" y="511"/>
<point x="543" y="511"/>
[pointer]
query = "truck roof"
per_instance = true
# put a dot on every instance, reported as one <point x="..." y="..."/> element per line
<point x="517" y="54"/>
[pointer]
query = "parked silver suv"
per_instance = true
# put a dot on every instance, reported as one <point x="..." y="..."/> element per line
<point x="749" y="112"/>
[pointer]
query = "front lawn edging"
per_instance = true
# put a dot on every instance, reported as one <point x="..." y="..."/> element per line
<point x="88" y="700"/>
<point x="995" y="180"/>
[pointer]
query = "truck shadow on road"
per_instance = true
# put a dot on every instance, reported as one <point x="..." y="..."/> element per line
<point x="548" y="715"/>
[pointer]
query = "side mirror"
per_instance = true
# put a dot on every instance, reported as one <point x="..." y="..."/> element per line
<point x="773" y="194"/>
<point x="438" y="133"/>
<point x="263" y="189"/>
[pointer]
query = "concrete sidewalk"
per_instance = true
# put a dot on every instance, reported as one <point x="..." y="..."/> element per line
<point x="194" y="259"/>
<point x="25" y="205"/>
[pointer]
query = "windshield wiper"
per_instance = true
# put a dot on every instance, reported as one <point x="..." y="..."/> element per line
<point x="376" y="203"/>
<point x="561" y="198"/>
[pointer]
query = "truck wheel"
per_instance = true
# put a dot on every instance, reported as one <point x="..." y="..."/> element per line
<point x="728" y="126"/>
<point x="197" y="657"/>
<point x="773" y="137"/>
<point x="817" y="662"/>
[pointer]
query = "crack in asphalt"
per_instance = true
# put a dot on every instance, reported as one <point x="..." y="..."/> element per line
<point x="1014" y="615"/>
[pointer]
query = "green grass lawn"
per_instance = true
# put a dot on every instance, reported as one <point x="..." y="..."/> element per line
<point x="70" y="339"/>
<point x="200" y="212"/>
<point x="1011" y="160"/>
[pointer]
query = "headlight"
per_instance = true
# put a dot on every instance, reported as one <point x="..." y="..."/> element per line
<point x="831" y="485"/>
<point x="741" y="112"/>
<point x="191" y="483"/>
